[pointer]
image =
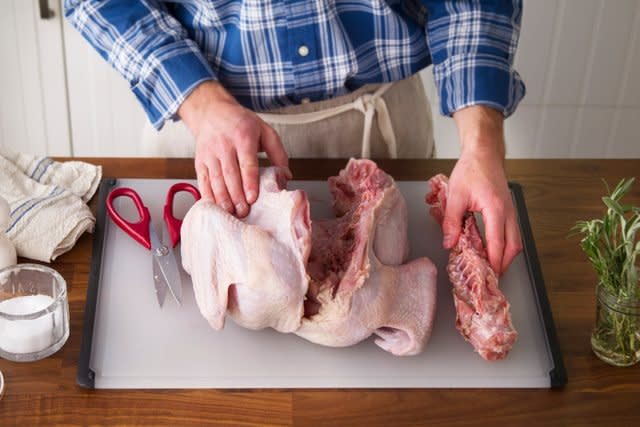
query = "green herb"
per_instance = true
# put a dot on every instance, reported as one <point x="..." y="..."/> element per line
<point x="612" y="246"/>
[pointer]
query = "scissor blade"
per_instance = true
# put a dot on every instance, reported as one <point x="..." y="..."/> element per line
<point x="166" y="262"/>
<point x="158" y="281"/>
<point x="175" y="284"/>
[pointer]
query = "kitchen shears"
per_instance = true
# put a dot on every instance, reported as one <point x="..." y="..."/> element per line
<point x="166" y="273"/>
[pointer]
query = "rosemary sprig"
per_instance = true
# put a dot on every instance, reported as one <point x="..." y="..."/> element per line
<point x="612" y="245"/>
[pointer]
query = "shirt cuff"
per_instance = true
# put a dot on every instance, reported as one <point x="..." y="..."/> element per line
<point x="479" y="79"/>
<point x="169" y="75"/>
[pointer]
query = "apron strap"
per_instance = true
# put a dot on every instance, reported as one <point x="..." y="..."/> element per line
<point x="369" y="104"/>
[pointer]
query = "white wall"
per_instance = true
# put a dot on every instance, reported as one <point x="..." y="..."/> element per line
<point x="580" y="60"/>
<point x="33" y="105"/>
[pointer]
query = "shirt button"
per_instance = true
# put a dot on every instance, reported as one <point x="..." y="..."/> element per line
<point x="303" y="50"/>
<point x="305" y="100"/>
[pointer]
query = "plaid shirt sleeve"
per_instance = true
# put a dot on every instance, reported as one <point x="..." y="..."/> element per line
<point x="472" y="45"/>
<point x="147" y="46"/>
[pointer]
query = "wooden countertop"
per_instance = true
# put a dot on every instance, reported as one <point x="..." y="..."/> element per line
<point x="557" y="193"/>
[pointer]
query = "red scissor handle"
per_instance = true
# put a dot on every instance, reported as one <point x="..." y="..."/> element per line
<point x="174" y="224"/>
<point x="138" y="230"/>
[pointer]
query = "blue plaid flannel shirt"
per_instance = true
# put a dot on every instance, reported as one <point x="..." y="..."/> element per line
<point x="273" y="53"/>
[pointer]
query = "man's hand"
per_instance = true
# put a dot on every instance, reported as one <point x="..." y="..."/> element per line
<point x="228" y="138"/>
<point x="478" y="184"/>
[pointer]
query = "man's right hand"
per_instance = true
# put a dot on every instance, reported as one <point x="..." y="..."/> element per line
<point x="228" y="139"/>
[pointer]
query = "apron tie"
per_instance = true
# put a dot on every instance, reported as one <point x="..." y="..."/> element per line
<point x="369" y="104"/>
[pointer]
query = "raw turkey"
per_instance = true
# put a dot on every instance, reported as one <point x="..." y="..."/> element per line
<point x="482" y="310"/>
<point x="253" y="269"/>
<point x="334" y="282"/>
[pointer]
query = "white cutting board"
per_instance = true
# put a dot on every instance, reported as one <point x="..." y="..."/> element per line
<point x="136" y="344"/>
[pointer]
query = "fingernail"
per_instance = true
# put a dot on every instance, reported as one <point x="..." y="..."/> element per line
<point x="447" y="241"/>
<point x="227" y="206"/>
<point x="251" y="196"/>
<point x="241" y="208"/>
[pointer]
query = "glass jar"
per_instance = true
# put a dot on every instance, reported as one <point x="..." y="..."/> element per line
<point x="616" y="336"/>
<point x="34" y="312"/>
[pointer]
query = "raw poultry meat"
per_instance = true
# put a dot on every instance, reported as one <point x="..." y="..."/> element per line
<point x="359" y="283"/>
<point x="334" y="282"/>
<point x="253" y="269"/>
<point x="482" y="310"/>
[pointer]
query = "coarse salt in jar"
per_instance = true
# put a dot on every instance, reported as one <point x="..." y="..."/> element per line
<point x="34" y="312"/>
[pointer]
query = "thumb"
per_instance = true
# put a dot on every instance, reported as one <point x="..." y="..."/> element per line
<point x="452" y="222"/>
<point x="271" y="144"/>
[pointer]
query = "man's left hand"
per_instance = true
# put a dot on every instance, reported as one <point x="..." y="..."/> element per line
<point x="478" y="184"/>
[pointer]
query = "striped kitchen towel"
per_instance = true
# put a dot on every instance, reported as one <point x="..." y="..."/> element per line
<point x="47" y="201"/>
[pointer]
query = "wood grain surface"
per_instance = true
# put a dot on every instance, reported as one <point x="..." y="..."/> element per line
<point x="557" y="193"/>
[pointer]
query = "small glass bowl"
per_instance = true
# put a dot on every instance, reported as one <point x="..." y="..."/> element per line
<point x="34" y="312"/>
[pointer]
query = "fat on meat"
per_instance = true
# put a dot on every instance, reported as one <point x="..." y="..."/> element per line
<point x="334" y="282"/>
<point x="482" y="310"/>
